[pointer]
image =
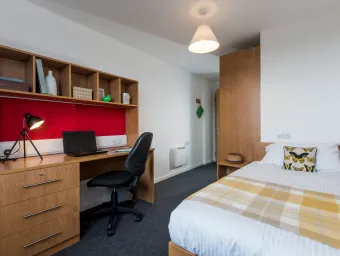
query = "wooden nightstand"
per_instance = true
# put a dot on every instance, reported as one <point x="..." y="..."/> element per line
<point x="225" y="168"/>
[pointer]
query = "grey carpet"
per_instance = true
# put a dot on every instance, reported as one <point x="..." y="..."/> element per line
<point x="151" y="236"/>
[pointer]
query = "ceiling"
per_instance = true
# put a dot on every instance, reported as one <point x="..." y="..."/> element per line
<point x="236" y="23"/>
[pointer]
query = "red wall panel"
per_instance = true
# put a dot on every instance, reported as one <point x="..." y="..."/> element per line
<point x="58" y="117"/>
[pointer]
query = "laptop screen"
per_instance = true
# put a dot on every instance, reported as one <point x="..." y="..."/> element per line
<point x="79" y="141"/>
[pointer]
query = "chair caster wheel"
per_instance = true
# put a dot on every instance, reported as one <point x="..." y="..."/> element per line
<point x="139" y="218"/>
<point x="110" y="232"/>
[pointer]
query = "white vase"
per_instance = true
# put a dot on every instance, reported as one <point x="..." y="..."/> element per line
<point x="51" y="83"/>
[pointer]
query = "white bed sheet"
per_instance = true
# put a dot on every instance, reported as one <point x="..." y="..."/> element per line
<point x="206" y="230"/>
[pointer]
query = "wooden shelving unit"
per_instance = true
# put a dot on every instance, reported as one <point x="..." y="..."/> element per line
<point x="39" y="96"/>
<point x="21" y="65"/>
<point x="18" y="64"/>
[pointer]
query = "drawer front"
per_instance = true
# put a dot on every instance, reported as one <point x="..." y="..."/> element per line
<point x="20" y="216"/>
<point x="41" y="237"/>
<point x="22" y="186"/>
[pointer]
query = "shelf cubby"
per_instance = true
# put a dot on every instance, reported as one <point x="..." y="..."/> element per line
<point x="85" y="78"/>
<point x="61" y="72"/>
<point x="18" y="65"/>
<point x="111" y="86"/>
<point x="131" y="87"/>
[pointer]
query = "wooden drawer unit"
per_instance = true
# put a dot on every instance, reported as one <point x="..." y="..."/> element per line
<point x="39" y="238"/>
<point x="25" y="185"/>
<point x="20" y="216"/>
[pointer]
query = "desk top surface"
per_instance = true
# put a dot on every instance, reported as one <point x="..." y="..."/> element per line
<point x="32" y="163"/>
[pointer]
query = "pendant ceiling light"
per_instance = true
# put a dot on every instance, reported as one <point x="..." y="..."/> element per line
<point x="204" y="39"/>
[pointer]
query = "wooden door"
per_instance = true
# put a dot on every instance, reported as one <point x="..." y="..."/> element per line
<point x="239" y="103"/>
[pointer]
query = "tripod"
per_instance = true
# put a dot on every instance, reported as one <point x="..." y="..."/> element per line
<point x="23" y="135"/>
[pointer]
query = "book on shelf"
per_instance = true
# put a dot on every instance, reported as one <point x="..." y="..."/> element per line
<point x="9" y="79"/>
<point x="41" y="78"/>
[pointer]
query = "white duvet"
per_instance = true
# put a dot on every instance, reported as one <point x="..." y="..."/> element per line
<point x="206" y="230"/>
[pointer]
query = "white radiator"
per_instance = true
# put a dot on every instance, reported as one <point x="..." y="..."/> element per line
<point x="178" y="157"/>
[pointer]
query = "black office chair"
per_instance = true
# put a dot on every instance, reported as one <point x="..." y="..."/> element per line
<point x="134" y="168"/>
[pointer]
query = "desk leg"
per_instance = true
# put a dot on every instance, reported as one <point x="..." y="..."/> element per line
<point x="146" y="187"/>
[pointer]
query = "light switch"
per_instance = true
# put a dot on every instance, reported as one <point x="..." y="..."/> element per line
<point x="283" y="136"/>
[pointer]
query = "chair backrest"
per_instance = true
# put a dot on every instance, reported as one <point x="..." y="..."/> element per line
<point x="136" y="160"/>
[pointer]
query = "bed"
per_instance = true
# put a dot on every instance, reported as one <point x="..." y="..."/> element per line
<point x="202" y="229"/>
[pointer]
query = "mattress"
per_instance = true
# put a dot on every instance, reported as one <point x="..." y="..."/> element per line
<point x="207" y="230"/>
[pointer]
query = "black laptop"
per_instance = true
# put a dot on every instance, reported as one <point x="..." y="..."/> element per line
<point x="80" y="143"/>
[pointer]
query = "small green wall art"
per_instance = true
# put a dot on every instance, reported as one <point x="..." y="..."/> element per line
<point x="200" y="111"/>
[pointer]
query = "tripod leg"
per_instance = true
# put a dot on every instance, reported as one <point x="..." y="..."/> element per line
<point x="28" y="137"/>
<point x="13" y="147"/>
<point x="24" y="142"/>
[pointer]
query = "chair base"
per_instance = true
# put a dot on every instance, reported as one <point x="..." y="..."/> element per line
<point x="114" y="209"/>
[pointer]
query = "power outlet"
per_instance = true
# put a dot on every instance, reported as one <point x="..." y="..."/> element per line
<point x="283" y="136"/>
<point x="117" y="142"/>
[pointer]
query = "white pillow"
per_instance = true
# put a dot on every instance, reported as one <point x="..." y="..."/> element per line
<point x="274" y="154"/>
<point x="327" y="156"/>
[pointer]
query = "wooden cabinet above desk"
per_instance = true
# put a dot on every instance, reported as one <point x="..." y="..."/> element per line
<point x="38" y="196"/>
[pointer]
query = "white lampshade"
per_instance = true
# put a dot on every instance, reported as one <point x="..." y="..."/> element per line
<point x="204" y="40"/>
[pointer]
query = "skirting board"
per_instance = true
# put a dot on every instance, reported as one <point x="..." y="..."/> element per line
<point x="178" y="172"/>
<point x="209" y="162"/>
<point x="172" y="174"/>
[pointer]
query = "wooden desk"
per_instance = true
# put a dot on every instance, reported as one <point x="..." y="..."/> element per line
<point x="40" y="199"/>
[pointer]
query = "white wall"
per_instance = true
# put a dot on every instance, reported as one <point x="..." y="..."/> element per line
<point x="166" y="93"/>
<point x="300" y="79"/>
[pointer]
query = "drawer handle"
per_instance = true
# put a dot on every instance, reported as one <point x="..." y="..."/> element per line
<point x="42" y="183"/>
<point x="36" y="213"/>
<point x="42" y="239"/>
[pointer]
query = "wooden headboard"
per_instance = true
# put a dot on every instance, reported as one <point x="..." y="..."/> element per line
<point x="260" y="150"/>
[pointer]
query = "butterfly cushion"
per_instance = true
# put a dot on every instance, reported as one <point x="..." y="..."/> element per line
<point x="299" y="159"/>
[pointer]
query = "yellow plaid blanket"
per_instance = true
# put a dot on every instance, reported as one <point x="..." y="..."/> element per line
<point x="306" y="213"/>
